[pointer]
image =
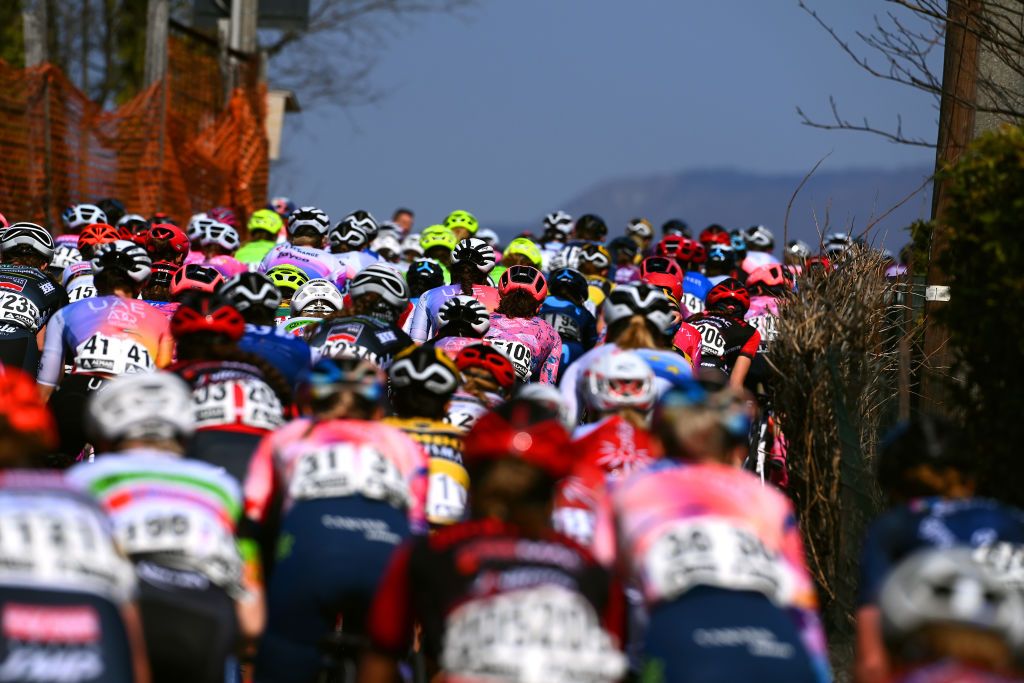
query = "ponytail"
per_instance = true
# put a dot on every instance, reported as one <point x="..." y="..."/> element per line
<point x="636" y="335"/>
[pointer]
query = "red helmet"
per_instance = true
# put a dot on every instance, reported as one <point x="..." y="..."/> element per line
<point x="490" y="359"/>
<point x="663" y="272"/>
<point x="700" y="253"/>
<point x="818" y="263"/>
<point x="175" y="237"/>
<point x="670" y="245"/>
<point x="163" y="273"/>
<point x="523" y="278"/>
<point x="21" y="410"/>
<point x="771" y="275"/>
<point x="96" y="234"/>
<point x="223" y="214"/>
<point x="195" y="277"/>
<point x="715" y="234"/>
<point x="207" y="314"/>
<point x="521" y="429"/>
<point x="729" y="294"/>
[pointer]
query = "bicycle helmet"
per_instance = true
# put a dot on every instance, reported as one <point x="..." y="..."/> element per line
<point x="424" y="274"/>
<point x="691" y="251"/>
<point x="195" y="277"/>
<point x="282" y="206"/>
<point x="837" y="243"/>
<point x="730" y="296"/>
<point x="251" y="290"/>
<point x="490" y="359"/>
<point x="476" y="253"/>
<point x="467" y="316"/>
<point x="641" y="227"/>
<point x="760" y="237"/>
<point x="567" y="283"/>
<point x="21" y="409"/>
<point x="670" y="246"/>
<point x="411" y="242"/>
<point x="440" y="237"/>
<point x="200" y="314"/>
<point x="112" y="209"/>
<point x="674" y="226"/>
<point x="309" y="217"/>
<point x="737" y="241"/>
<point x="949" y="586"/>
<point x="266" y="220"/>
<point x="651" y="303"/>
<point x="623" y="245"/>
<point x="317" y="296"/>
<point x="287" y="278"/>
<point x="596" y="255"/>
<point x="558" y="221"/>
<point x="521" y="429"/>
<point x="197" y="226"/>
<point x="720" y="254"/>
<point x="589" y="226"/>
<point x="525" y="279"/>
<point x="527" y="248"/>
<point x="386" y="246"/>
<point x="96" y="234"/>
<point x="162" y="274"/>
<point x="489" y="236"/>
<point x="162" y="217"/>
<point x="221" y="234"/>
<point x="425" y="369"/>
<point x="567" y="257"/>
<point x="664" y="273"/>
<point x="133" y="227"/>
<point x="77" y="216"/>
<point x="63" y="255"/>
<point x="29" y="236"/>
<point x="124" y="256"/>
<point x="174" y="236"/>
<point x="355" y="230"/>
<point x="151" y="405"/>
<point x="714" y="234"/>
<point x="798" y="249"/>
<point x="226" y="215"/>
<point x="617" y="380"/>
<point x="462" y="219"/>
<point x="771" y="275"/>
<point x="384" y="281"/>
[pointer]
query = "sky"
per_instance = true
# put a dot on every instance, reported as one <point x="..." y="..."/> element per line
<point x="513" y="108"/>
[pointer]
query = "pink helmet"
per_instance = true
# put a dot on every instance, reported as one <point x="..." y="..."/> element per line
<point x="525" y="278"/>
<point x="771" y="275"/>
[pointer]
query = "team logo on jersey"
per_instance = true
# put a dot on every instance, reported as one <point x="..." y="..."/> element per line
<point x="386" y="337"/>
<point x="13" y="284"/>
<point x="46" y="286"/>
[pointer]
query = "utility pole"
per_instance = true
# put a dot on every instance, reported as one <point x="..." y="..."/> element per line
<point x="241" y="37"/>
<point x="157" y="18"/>
<point x="33" y="17"/>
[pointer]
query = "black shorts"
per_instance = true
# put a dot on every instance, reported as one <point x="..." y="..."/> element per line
<point x="190" y="624"/>
<point x="231" y="450"/>
<point x="68" y="403"/>
<point x="19" y="349"/>
<point x="73" y="637"/>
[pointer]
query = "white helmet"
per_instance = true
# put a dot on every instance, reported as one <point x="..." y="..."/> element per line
<point x="251" y="290"/>
<point x="759" y="236"/>
<point x="197" y="226"/>
<point x="124" y="256"/>
<point x="384" y="280"/>
<point x="155" y="405"/>
<point x="467" y="311"/>
<point x="35" y="237"/>
<point x="798" y="249"/>
<point x="487" y="235"/>
<point x="78" y="216"/>
<point x="837" y="243"/>
<point x="626" y="301"/>
<point x="64" y="254"/>
<point x="568" y="257"/>
<point x="222" y="234"/>
<point x="476" y="252"/>
<point x="386" y="243"/>
<point x="641" y="227"/>
<point x="616" y="380"/>
<point x="317" y="296"/>
<point x="308" y="216"/>
<point x="560" y="221"/>
<point x="412" y="243"/>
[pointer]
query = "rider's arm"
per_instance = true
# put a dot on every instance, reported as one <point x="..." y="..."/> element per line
<point x="872" y="665"/>
<point x="136" y="642"/>
<point x="52" y="363"/>
<point x="744" y="360"/>
<point x="419" y="321"/>
<point x="548" y="372"/>
<point x="391" y="621"/>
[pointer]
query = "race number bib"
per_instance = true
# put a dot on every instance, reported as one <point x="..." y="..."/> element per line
<point x="536" y="635"/>
<point x="79" y="293"/>
<point x="56" y="544"/>
<point x="464" y="414"/>
<point x="693" y="303"/>
<point x="517" y="352"/>
<point x="112" y="356"/>
<point x="768" y="325"/>
<point x="446" y="499"/>
<point x="344" y="469"/>
<point x="713" y="552"/>
<point x="345" y="349"/>
<point x="712" y="343"/>
<point x="567" y="328"/>
<point x="248" y="402"/>
<point x="196" y="535"/>
<point x="19" y="310"/>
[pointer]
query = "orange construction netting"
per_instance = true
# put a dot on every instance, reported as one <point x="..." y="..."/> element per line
<point x="175" y="147"/>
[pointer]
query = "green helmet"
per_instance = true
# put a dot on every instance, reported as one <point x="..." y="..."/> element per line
<point x="462" y="219"/>
<point x="527" y="248"/>
<point x="437" y="236"/>
<point x="265" y="219"/>
<point x="287" y="278"/>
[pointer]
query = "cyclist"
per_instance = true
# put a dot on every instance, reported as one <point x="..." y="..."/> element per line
<point x="101" y="337"/>
<point x="176" y="520"/>
<point x="423" y="274"/>
<point x="463" y="224"/>
<point x="728" y="343"/>
<point x="193" y="277"/>
<point x="388" y="248"/>
<point x="695" y="284"/>
<point x="488" y="379"/>
<point x="307" y="230"/>
<point x="760" y="243"/>
<point x="928" y="475"/>
<point x="350" y="239"/>
<point x="351" y="489"/>
<point x="721" y="264"/>
<point x="564" y="309"/>
<point x="28" y="297"/>
<point x="767" y="286"/>
<point x="282" y="206"/>
<point x="471" y="261"/>
<point x="423" y="381"/>
<point x="517" y="331"/>
<point x="166" y="242"/>
<point x="796" y="255"/>
<point x="557" y="228"/>
<point x="219" y="243"/>
<point x="313" y="301"/>
<point x="641" y="232"/>
<point x="76" y="217"/>
<point x="624" y="253"/>
<point x="739" y="246"/>
<point x="664" y="273"/>
<point x="237" y="397"/>
<point x="519" y="252"/>
<point x="594" y="263"/>
<point x="133" y="227"/>
<point x="717" y="555"/>
<point x="411" y="249"/>
<point x="68" y="594"/>
<point x="157" y="292"/>
<point x="437" y="243"/>
<point x="462" y="321"/>
<point x="506" y="565"/>
<point x="264" y="227"/>
<point x="94" y="235"/>
<point x="403" y="218"/>
<point x="287" y="279"/>
<point x="64" y="254"/>
<point x="254" y="296"/>
<point x="589" y="228"/>
<point x="714" y="234"/>
<point x="368" y="328"/>
<point x="78" y="282"/>
<point x="836" y="245"/>
<point x="194" y="231"/>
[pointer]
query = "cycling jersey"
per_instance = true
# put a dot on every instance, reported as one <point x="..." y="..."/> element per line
<point x="598" y="289"/>
<point x="763" y="316"/>
<point x="358" y="336"/>
<point x="28" y="297"/>
<point x="624" y="275"/>
<point x="465" y="583"/>
<point x="757" y="259"/>
<point x="724" y="339"/>
<point x="448" y="480"/>
<point x="288" y="353"/>
<point x="532" y="345"/>
<point x="63" y="583"/>
<point x="576" y="326"/>
<point x="932" y="523"/>
<point x="316" y="263"/>
<point x="465" y="409"/>
<point x="452" y="346"/>
<point x="422" y="324"/>
<point x="695" y="290"/>
<point x="81" y="287"/>
<point x="295" y="326"/>
<point x="166" y="307"/>
<point x="687" y="340"/>
<point x="253" y="252"/>
<point x="354" y="261"/>
<point x="228" y="266"/>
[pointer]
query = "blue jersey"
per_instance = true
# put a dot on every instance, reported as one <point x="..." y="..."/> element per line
<point x="695" y="289"/>
<point x="574" y="324"/>
<point x="932" y="523"/>
<point x="289" y="354"/>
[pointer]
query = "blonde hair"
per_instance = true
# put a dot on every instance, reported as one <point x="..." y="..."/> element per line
<point x="637" y="335"/>
<point x="959" y="642"/>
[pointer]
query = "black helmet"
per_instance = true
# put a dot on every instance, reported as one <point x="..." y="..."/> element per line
<point x="925" y="440"/>
<point x="424" y="274"/>
<point x="569" y="284"/>
<point x="591" y="227"/>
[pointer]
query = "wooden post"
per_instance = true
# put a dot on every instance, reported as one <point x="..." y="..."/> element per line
<point x="157" y="20"/>
<point x="34" y="22"/>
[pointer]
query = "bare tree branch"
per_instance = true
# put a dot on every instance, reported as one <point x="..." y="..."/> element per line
<point x="789" y="206"/>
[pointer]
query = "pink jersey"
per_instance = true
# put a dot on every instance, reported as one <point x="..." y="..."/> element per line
<point x="306" y="460"/>
<point x="228" y="266"/>
<point x="316" y="263"/>
<point x="763" y="315"/>
<point x="687" y="341"/>
<point x="194" y="256"/>
<point x="532" y="345"/>
<point x="452" y="346"/>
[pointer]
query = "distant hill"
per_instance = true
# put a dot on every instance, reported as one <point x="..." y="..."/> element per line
<point x="740" y="199"/>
